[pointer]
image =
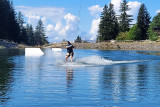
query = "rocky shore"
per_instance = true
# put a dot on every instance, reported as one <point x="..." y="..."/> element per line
<point x="7" y="44"/>
<point x="113" y="45"/>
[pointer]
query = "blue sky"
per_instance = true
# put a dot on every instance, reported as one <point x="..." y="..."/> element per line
<point x="63" y="19"/>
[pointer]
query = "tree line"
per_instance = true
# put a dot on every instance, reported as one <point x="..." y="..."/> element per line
<point x="119" y="27"/>
<point x="13" y="28"/>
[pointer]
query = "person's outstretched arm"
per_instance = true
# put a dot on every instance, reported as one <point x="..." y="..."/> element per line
<point x="68" y="46"/>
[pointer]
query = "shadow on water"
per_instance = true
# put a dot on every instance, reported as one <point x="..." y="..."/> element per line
<point x="69" y="79"/>
<point x="6" y="78"/>
<point x="6" y="72"/>
<point x="11" y="52"/>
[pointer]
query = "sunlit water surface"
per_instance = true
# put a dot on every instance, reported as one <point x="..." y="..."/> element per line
<point x="96" y="78"/>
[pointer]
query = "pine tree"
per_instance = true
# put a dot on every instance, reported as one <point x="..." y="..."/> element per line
<point x="108" y="27"/>
<point x="124" y="19"/>
<point x="23" y="34"/>
<point x="78" y="40"/>
<point x="20" y="20"/>
<point x="13" y="29"/>
<point x="40" y="36"/>
<point x="4" y="16"/>
<point x="30" y="34"/>
<point x="143" y="21"/>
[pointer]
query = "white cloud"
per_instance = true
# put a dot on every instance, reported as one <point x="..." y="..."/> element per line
<point x="158" y="11"/>
<point x="33" y="19"/>
<point x="116" y="4"/>
<point x="94" y="28"/>
<point x="44" y="20"/>
<point x="71" y="28"/>
<point x="51" y="13"/>
<point x="58" y="24"/>
<point x="95" y="10"/>
<point x="134" y="5"/>
<point x="50" y="27"/>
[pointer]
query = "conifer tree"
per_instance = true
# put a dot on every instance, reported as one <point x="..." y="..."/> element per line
<point x="4" y="16"/>
<point x="143" y="21"/>
<point x="78" y="40"/>
<point x="124" y="19"/>
<point x="40" y="36"/>
<point x="30" y="34"/>
<point x="23" y="34"/>
<point x="20" y="20"/>
<point x="108" y="27"/>
<point x="13" y="28"/>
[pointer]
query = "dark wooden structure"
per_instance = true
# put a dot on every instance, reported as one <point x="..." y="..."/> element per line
<point x="157" y="29"/>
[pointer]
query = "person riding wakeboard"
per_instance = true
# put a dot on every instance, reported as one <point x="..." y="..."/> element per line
<point x="70" y="52"/>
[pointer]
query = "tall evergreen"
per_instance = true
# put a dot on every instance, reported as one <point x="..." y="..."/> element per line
<point x="4" y="16"/>
<point x="143" y="21"/>
<point x="78" y="40"/>
<point x="13" y="29"/>
<point x="124" y="19"/>
<point x="23" y="34"/>
<point x="20" y="20"/>
<point x="108" y="27"/>
<point x="12" y="26"/>
<point x="40" y="36"/>
<point x="30" y="34"/>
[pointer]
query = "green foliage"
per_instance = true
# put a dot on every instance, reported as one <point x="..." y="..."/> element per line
<point x="122" y="36"/>
<point x="134" y="33"/>
<point x="143" y="21"/>
<point x="108" y="27"/>
<point x="124" y="19"/>
<point x="153" y="35"/>
<point x="30" y="35"/>
<point x="12" y="26"/>
<point x="23" y="34"/>
<point x="9" y="28"/>
<point x="78" y="40"/>
<point x="40" y="36"/>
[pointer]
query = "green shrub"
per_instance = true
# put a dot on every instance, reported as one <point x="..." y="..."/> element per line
<point x="122" y="36"/>
<point x="154" y="24"/>
<point x="134" y="33"/>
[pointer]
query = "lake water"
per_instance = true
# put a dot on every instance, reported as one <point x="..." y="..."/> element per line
<point x="96" y="78"/>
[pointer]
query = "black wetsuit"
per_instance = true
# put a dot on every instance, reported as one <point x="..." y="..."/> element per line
<point x="70" y="50"/>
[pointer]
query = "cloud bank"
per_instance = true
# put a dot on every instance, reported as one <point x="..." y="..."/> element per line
<point x="58" y="24"/>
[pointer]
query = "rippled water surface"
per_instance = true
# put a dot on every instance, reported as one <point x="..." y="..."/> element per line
<point x="96" y="78"/>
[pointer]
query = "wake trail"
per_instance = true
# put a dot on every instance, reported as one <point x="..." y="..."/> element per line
<point x="93" y="61"/>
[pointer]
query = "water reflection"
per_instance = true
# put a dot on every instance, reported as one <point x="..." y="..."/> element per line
<point x="39" y="82"/>
<point x="6" y="78"/>
<point x="11" y="52"/>
<point x="130" y="82"/>
<point x="69" y="79"/>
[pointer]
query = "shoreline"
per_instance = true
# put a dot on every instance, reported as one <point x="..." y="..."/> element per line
<point x="125" y="45"/>
<point x="112" y="45"/>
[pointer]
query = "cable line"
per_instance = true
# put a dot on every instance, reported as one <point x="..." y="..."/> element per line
<point x="79" y="15"/>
